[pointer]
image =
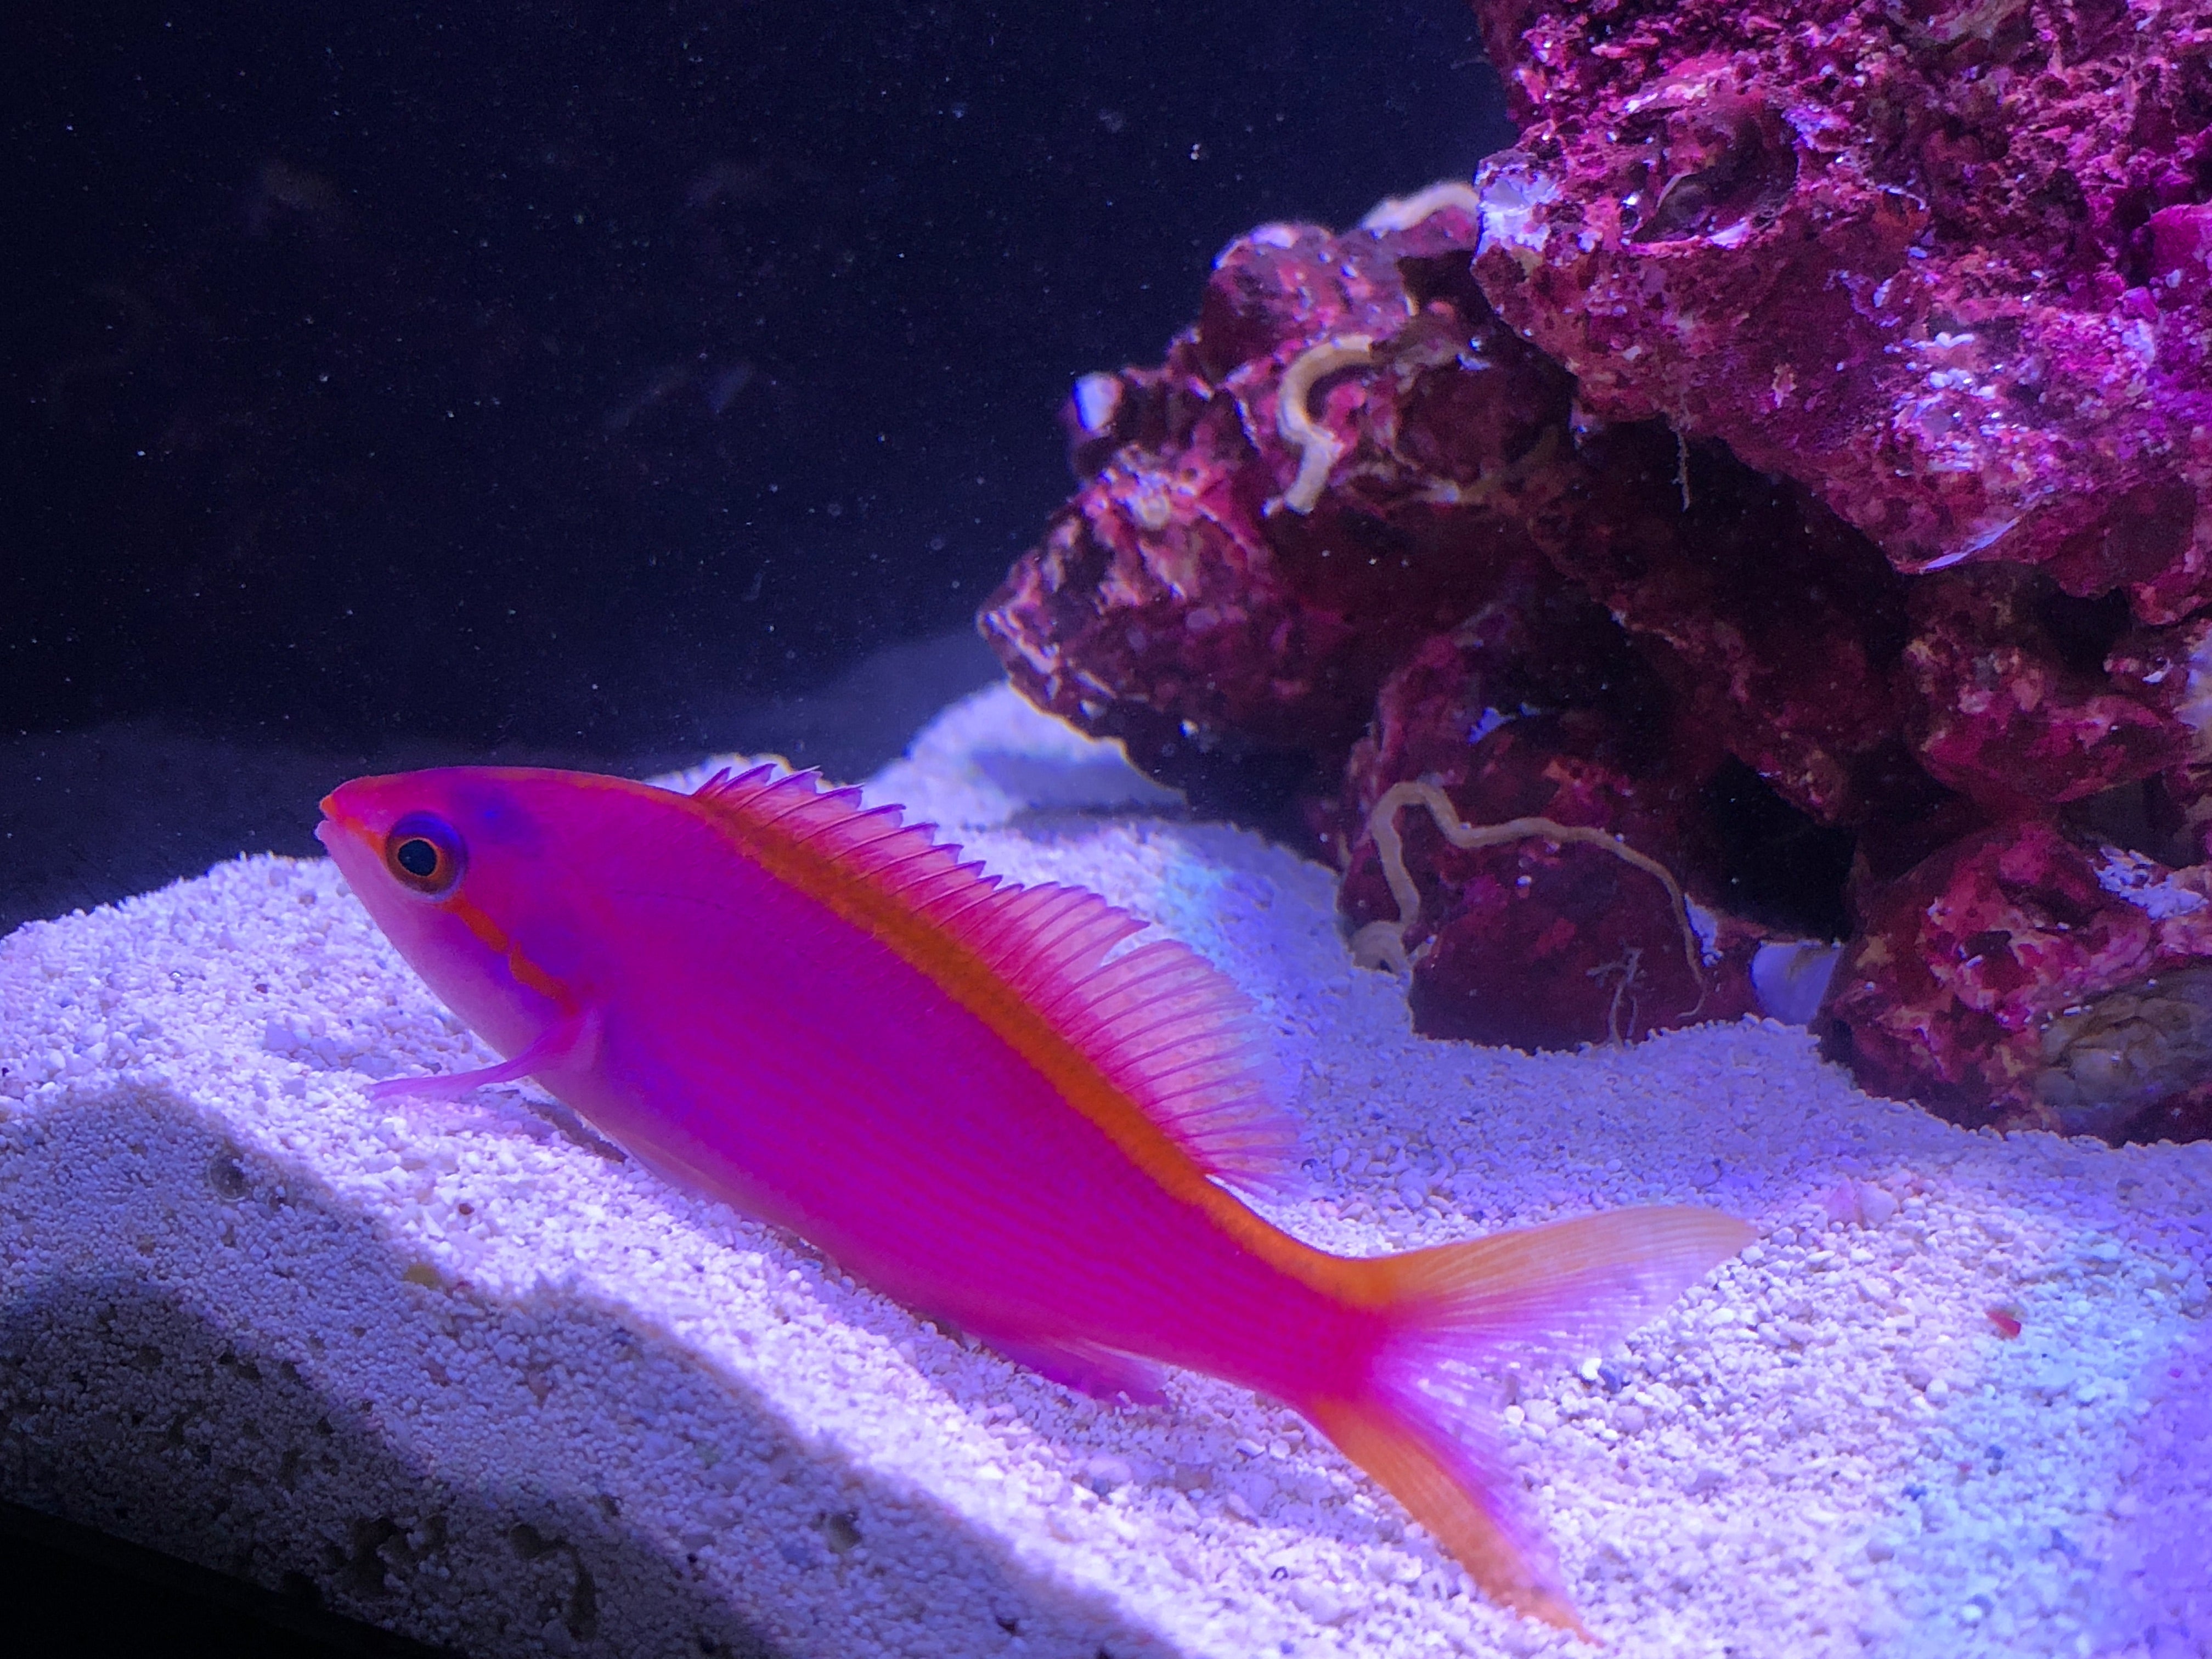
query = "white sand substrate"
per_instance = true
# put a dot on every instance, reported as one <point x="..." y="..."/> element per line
<point x="464" y="1370"/>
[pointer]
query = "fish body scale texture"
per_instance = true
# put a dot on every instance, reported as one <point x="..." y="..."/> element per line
<point x="762" y="1046"/>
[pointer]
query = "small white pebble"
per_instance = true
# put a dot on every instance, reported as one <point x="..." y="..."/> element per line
<point x="1106" y="1472"/>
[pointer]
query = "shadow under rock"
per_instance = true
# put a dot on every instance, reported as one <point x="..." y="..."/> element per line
<point x="1052" y="784"/>
<point x="498" y="1500"/>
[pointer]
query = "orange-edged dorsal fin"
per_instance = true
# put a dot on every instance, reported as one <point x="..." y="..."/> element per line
<point x="1161" y="1025"/>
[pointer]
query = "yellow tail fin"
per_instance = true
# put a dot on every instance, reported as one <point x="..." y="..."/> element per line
<point x="1561" y="1292"/>
<point x="1468" y="1517"/>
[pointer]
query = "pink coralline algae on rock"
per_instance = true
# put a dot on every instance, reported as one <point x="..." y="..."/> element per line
<point x="1942" y="263"/>
<point x="1350" y="483"/>
<point x="1204" y="598"/>
<point x="1764" y="506"/>
<point x="2020" y="978"/>
<point x="1542" y="936"/>
<point x="1999" y="713"/>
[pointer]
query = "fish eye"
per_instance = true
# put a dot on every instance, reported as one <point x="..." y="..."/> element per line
<point x="423" y="853"/>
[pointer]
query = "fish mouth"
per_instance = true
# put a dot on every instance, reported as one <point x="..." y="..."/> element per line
<point x="337" y="824"/>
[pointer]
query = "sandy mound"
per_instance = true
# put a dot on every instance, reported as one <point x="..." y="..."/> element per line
<point x="463" y="1370"/>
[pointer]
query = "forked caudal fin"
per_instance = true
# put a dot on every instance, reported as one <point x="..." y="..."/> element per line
<point x="1563" y="1291"/>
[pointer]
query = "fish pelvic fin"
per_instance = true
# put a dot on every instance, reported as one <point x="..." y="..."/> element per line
<point x="1448" y="1318"/>
<point x="570" y="1044"/>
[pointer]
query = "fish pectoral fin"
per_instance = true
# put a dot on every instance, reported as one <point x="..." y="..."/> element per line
<point x="567" y="1045"/>
<point x="1102" y="1373"/>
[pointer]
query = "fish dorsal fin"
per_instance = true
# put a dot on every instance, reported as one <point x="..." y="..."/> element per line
<point x="1161" y="1024"/>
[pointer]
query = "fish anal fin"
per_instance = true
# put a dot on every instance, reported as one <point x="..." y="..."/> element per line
<point x="1102" y="1373"/>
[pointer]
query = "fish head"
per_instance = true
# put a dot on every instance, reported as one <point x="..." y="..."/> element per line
<point x="464" y="869"/>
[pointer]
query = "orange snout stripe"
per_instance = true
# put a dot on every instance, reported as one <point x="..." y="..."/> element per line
<point x="526" y="973"/>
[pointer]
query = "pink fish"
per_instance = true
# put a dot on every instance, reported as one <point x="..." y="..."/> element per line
<point x="955" y="1089"/>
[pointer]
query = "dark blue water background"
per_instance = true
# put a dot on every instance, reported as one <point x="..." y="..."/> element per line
<point x="603" y="383"/>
